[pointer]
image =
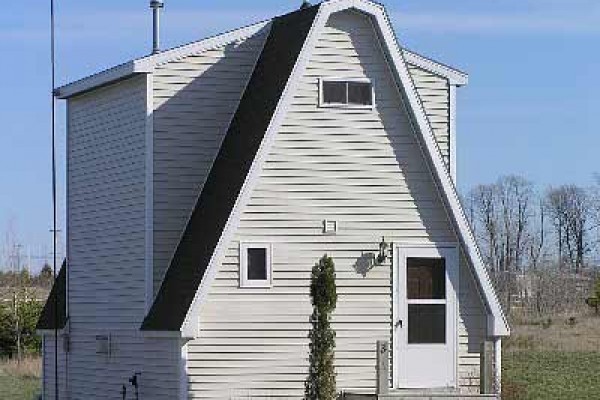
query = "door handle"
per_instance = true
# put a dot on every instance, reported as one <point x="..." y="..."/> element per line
<point x="399" y="323"/>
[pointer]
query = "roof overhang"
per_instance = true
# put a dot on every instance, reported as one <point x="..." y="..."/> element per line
<point x="455" y="77"/>
<point x="100" y="79"/>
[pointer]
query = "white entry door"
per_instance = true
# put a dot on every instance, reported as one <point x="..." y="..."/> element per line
<point x="425" y="328"/>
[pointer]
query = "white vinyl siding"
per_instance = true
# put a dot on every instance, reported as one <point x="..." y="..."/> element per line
<point x="194" y="100"/>
<point x="434" y="92"/>
<point x="106" y="244"/>
<point x="360" y="168"/>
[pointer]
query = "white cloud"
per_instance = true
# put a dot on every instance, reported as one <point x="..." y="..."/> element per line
<point x="550" y="22"/>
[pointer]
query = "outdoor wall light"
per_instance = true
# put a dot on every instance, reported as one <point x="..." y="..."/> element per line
<point x="382" y="256"/>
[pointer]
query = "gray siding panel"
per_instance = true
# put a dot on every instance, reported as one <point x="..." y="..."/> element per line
<point x="194" y="101"/>
<point x="361" y="168"/>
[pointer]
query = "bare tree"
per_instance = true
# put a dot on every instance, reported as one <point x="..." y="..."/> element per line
<point x="537" y="238"/>
<point x="515" y="194"/>
<point x="485" y="206"/>
<point x="571" y="210"/>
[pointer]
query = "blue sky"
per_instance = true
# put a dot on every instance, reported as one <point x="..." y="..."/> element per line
<point x="528" y="108"/>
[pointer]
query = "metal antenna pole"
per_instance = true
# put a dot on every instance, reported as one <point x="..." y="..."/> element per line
<point x="53" y="129"/>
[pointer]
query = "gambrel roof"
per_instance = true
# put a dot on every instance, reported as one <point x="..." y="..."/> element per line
<point x="283" y="59"/>
<point x="290" y="41"/>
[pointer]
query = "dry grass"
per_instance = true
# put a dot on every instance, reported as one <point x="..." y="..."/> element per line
<point x="564" y="333"/>
<point x="29" y="367"/>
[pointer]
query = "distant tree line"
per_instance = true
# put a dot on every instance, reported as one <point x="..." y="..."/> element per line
<point x="43" y="279"/>
<point x="520" y="226"/>
<point x="531" y="236"/>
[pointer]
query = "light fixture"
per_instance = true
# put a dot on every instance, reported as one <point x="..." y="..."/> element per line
<point x="382" y="256"/>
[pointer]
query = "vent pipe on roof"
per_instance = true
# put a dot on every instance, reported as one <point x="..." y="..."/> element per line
<point x="305" y="4"/>
<point x="156" y="5"/>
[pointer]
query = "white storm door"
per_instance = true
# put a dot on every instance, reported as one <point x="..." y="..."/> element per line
<point x="426" y="282"/>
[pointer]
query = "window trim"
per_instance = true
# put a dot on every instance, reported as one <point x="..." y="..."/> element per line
<point x="255" y="283"/>
<point x="322" y="103"/>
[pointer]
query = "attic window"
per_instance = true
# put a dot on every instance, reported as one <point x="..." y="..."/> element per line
<point x="255" y="265"/>
<point x="346" y="93"/>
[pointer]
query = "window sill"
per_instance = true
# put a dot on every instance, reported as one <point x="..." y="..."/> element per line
<point x="256" y="285"/>
<point x="347" y="106"/>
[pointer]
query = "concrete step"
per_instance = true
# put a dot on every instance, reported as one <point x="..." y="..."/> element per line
<point x="419" y="394"/>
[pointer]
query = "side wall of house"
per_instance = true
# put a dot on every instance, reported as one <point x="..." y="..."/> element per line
<point x="48" y="367"/>
<point x="106" y="178"/>
<point x="194" y="100"/>
<point x="434" y="92"/>
<point x="361" y="168"/>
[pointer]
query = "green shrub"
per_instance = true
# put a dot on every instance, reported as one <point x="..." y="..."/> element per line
<point x="28" y="313"/>
<point x="321" y="383"/>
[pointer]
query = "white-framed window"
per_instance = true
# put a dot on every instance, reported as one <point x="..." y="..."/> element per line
<point x="255" y="265"/>
<point x="346" y="93"/>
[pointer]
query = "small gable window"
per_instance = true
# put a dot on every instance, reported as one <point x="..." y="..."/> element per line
<point x="346" y="93"/>
<point x="255" y="265"/>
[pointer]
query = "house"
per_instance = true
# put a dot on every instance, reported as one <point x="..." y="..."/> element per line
<point x="204" y="182"/>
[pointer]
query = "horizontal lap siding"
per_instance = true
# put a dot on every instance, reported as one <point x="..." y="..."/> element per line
<point x="194" y="100"/>
<point x="361" y="168"/>
<point x="434" y="91"/>
<point x="106" y="217"/>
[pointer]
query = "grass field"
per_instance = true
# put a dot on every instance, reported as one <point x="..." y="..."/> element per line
<point x="19" y="388"/>
<point x="20" y="381"/>
<point x="551" y="375"/>
<point x="553" y="359"/>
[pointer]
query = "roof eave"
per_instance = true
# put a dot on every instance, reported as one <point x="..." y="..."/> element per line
<point x="103" y="78"/>
<point x="147" y="64"/>
<point x="455" y="76"/>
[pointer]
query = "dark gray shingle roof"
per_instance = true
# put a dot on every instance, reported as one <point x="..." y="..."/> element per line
<point x="57" y="296"/>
